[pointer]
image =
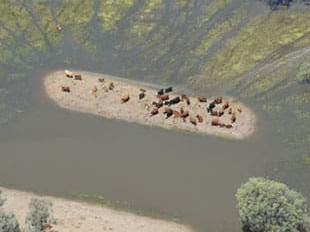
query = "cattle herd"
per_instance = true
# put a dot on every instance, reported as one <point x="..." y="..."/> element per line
<point x="169" y="106"/>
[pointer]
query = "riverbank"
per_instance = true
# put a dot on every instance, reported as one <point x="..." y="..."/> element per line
<point x="80" y="217"/>
<point x="93" y="93"/>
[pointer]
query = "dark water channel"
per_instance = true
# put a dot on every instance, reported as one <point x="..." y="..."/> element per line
<point x="49" y="150"/>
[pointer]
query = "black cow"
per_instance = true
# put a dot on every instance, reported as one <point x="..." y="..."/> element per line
<point x="168" y="113"/>
<point x="211" y="107"/>
<point x="175" y="100"/>
<point x="141" y="95"/>
<point x="160" y="92"/>
<point x="169" y="89"/>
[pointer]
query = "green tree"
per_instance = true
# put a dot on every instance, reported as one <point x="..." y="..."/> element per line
<point x="266" y="205"/>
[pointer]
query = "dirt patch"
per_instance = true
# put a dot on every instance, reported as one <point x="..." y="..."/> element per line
<point x="90" y="95"/>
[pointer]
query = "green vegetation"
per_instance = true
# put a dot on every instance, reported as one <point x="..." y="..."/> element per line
<point x="266" y="205"/>
<point x="37" y="217"/>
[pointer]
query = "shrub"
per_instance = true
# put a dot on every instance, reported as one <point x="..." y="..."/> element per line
<point x="39" y="213"/>
<point x="266" y="205"/>
<point x="8" y="222"/>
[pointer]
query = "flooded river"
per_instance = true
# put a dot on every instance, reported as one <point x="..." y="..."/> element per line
<point x="182" y="176"/>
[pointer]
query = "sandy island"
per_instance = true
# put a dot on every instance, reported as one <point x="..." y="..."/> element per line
<point x="73" y="216"/>
<point x="89" y="95"/>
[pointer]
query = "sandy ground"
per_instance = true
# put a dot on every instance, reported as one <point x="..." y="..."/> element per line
<point x="72" y="216"/>
<point x="107" y="103"/>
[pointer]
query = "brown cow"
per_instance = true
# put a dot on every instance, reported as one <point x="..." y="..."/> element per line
<point x="230" y="111"/>
<point x="146" y="106"/>
<point x="214" y="113"/>
<point x="65" y="89"/>
<point x="94" y="91"/>
<point x="154" y="111"/>
<point x="218" y="100"/>
<point x="111" y="86"/>
<point x="202" y="99"/>
<point x="164" y="97"/>
<point x="199" y="118"/>
<point x="186" y="98"/>
<point x="125" y="98"/>
<point x="142" y="90"/>
<point x="101" y="80"/>
<point x="46" y="226"/>
<point x="239" y="109"/>
<point x="58" y="27"/>
<point x="78" y="77"/>
<point x="185" y="114"/>
<point x="160" y="103"/>
<point x="181" y="110"/>
<point x="221" y="124"/>
<point x="228" y="126"/>
<point x="220" y="112"/>
<point x="215" y="122"/>
<point x="176" y="114"/>
<point x="69" y="73"/>
<point x="193" y="121"/>
<point x="225" y="105"/>
<point x="233" y="117"/>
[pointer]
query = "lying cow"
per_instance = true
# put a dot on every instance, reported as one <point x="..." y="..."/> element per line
<point x="193" y="121"/>
<point x="169" y="89"/>
<point x="65" y="89"/>
<point x="218" y="100"/>
<point x="111" y="86"/>
<point x="199" y="118"/>
<point x="164" y="97"/>
<point x="154" y="111"/>
<point x="215" y="122"/>
<point x="69" y="73"/>
<point x="202" y="99"/>
<point x="174" y="101"/>
<point x="101" y="80"/>
<point x="168" y="112"/>
<point x="125" y="98"/>
<point x="160" y="92"/>
<point x="78" y="77"/>
<point x="233" y="117"/>
<point x="220" y="112"/>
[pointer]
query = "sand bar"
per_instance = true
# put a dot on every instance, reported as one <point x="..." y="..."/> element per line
<point x="89" y="95"/>
<point x="73" y="216"/>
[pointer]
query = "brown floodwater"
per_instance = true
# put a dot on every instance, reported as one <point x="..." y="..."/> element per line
<point x="163" y="173"/>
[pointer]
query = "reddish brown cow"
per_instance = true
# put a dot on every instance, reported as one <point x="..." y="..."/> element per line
<point x="111" y="86"/>
<point x="142" y="90"/>
<point x="233" y="117"/>
<point x="160" y="103"/>
<point x="193" y="121"/>
<point x="239" y="109"/>
<point x="185" y="114"/>
<point x="199" y="118"/>
<point x="65" y="89"/>
<point x="154" y="111"/>
<point x="69" y="73"/>
<point x="225" y="105"/>
<point x="101" y="80"/>
<point x="220" y="112"/>
<point x="228" y="126"/>
<point x="214" y="113"/>
<point x="215" y="122"/>
<point x="186" y="98"/>
<point x="164" y="97"/>
<point x="58" y="27"/>
<point x="176" y="114"/>
<point x="202" y="99"/>
<point x="230" y="111"/>
<point x="46" y="226"/>
<point x="78" y="77"/>
<point x="181" y="110"/>
<point x="218" y="100"/>
<point x="125" y="98"/>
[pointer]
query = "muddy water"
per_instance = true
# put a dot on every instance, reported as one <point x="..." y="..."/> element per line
<point x="165" y="173"/>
